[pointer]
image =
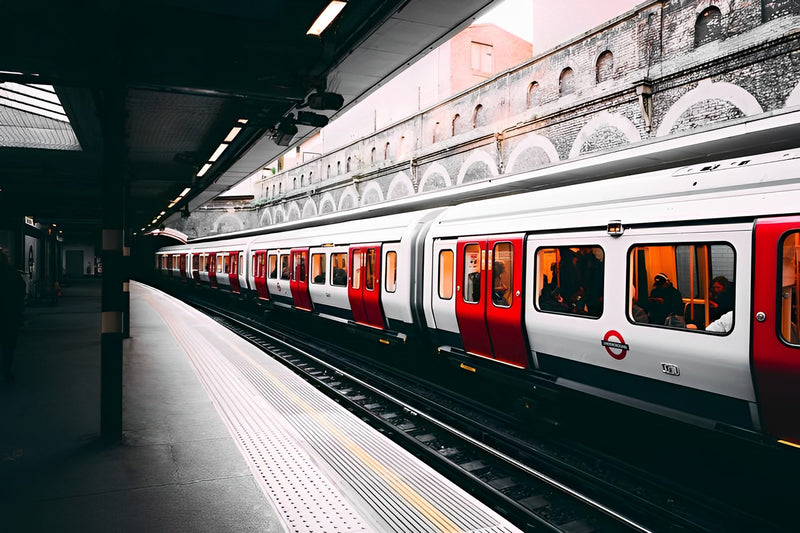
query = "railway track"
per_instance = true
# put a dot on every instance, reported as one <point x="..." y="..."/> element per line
<point x="538" y="486"/>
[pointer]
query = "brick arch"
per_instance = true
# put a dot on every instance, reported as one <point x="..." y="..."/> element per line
<point x="265" y="220"/>
<point x="228" y="223"/>
<point x="473" y="162"/>
<point x="429" y="181"/>
<point x="794" y="97"/>
<point x="708" y="90"/>
<point x="293" y="213"/>
<point x="535" y="143"/>
<point x="327" y="204"/>
<point x="604" y="121"/>
<point x="309" y="209"/>
<point x="401" y="187"/>
<point x="348" y="199"/>
<point x="372" y="194"/>
<point x="279" y="215"/>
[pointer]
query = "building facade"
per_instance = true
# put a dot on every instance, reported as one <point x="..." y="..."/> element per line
<point x="663" y="69"/>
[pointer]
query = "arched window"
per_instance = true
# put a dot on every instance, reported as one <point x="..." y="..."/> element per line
<point x="347" y="166"/>
<point x="338" y="167"/>
<point x="534" y="96"/>
<point x="372" y="155"/>
<point x="328" y="172"/>
<point x="566" y="82"/>
<point x="273" y="189"/>
<point x="386" y="153"/>
<point x="302" y="180"/>
<point x="311" y="177"/>
<point x="477" y="116"/>
<point x="708" y="26"/>
<point x="435" y="131"/>
<point x="604" y="70"/>
<point x="294" y="183"/>
<point x="454" y="128"/>
<point x="280" y="188"/>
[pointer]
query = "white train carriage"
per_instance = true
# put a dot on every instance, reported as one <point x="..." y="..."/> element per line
<point x="172" y="261"/>
<point x="362" y="271"/>
<point x="562" y="282"/>
<point x="220" y="264"/>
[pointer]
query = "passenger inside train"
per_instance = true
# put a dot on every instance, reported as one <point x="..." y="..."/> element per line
<point x="575" y="281"/>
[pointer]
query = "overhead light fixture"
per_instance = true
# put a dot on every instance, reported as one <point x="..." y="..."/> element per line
<point x="185" y="192"/>
<point x="218" y="152"/>
<point x="232" y="134"/>
<point x="204" y="170"/>
<point x="312" y="119"/>
<point x="326" y="17"/>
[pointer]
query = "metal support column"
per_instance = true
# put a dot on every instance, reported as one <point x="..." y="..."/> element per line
<point x="113" y="110"/>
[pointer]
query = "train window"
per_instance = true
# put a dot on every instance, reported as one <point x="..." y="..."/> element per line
<point x="569" y="279"/>
<point x="273" y="266"/>
<point x="300" y="266"/>
<point x="203" y="259"/>
<point x="684" y="286"/>
<point x="196" y="262"/>
<point x="789" y="319"/>
<point x="257" y="266"/>
<point x="391" y="271"/>
<point x="356" y="274"/>
<point x="472" y="273"/>
<point x="446" y="259"/>
<point x="226" y="266"/>
<point x="317" y="268"/>
<point x="286" y="272"/>
<point x="369" y="265"/>
<point x="219" y="263"/>
<point x="339" y="269"/>
<point x="502" y="274"/>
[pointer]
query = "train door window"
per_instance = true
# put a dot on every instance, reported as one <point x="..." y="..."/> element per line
<point x="300" y="266"/>
<point x="273" y="266"/>
<point x="286" y="272"/>
<point x="684" y="286"/>
<point x="502" y="274"/>
<point x="356" y="280"/>
<point x="219" y="263"/>
<point x="195" y="262"/>
<point x="226" y="264"/>
<point x="446" y="271"/>
<point x="203" y="259"/>
<point x="317" y="268"/>
<point x="391" y="272"/>
<point x="369" y="274"/>
<point x="234" y="266"/>
<point x="789" y="320"/>
<point x="472" y="273"/>
<point x="339" y="269"/>
<point x="257" y="265"/>
<point x="569" y="279"/>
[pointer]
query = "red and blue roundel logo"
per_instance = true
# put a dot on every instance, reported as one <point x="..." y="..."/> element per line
<point x="615" y="345"/>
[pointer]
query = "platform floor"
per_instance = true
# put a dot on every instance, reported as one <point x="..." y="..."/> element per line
<point x="217" y="437"/>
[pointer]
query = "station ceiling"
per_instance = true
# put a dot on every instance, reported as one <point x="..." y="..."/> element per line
<point x="186" y="72"/>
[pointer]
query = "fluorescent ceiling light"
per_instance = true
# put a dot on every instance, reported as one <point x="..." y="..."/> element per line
<point x="185" y="192"/>
<point x="218" y="152"/>
<point x="326" y="17"/>
<point x="232" y="135"/>
<point x="204" y="170"/>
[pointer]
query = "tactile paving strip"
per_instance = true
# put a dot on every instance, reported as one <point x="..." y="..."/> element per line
<point x="301" y="443"/>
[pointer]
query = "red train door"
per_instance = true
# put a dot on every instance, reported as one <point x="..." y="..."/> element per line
<point x="776" y="304"/>
<point x="260" y="274"/>
<point x="233" y="275"/>
<point x="183" y="266"/>
<point x="364" y="291"/>
<point x="489" y="297"/>
<point x="299" y="281"/>
<point x="504" y="306"/>
<point x="212" y="269"/>
<point x="471" y="295"/>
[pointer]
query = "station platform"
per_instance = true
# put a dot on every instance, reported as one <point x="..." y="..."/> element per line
<point x="216" y="437"/>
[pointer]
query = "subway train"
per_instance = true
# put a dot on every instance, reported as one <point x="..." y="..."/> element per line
<point x="673" y="291"/>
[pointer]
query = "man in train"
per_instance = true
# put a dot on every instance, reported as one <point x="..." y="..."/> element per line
<point x="665" y="300"/>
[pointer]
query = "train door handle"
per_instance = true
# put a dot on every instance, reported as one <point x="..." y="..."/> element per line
<point x="761" y="316"/>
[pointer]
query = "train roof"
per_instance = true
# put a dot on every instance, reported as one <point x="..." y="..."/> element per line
<point x="744" y="187"/>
